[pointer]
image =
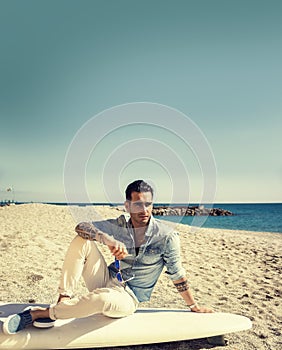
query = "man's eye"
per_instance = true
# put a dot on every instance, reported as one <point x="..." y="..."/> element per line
<point x="140" y="204"/>
<point x="137" y="204"/>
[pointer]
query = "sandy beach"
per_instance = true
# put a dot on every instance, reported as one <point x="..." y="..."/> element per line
<point x="231" y="271"/>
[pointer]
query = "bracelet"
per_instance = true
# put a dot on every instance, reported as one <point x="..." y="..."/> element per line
<point x="192" y="306"/>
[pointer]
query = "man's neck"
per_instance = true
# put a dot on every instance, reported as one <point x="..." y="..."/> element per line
<point x="139" y="237"/>
<point x="139" y="234"/>
<point x="140" y="231"/>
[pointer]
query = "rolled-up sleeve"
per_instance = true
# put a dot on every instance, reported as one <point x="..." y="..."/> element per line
<point x="106" y="226"/>
<point x="172" y="257"/>
<point x="113" y="227"/>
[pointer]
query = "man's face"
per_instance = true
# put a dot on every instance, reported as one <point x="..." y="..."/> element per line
<point x="140" y="208"/>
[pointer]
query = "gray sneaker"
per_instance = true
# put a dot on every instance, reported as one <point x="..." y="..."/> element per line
<point x="46" y="322"/>
<point x="17" y="322"/>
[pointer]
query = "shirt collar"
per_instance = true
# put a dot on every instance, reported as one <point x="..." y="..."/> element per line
<point x="150" y="227"/>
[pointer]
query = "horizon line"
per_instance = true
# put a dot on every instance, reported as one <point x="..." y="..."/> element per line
<point x="122" y="203"/>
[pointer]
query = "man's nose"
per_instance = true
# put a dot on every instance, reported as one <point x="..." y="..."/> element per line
<point x="143" y="208"/>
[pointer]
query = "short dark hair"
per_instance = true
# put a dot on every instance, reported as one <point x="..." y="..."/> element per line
<point x="137" y="186"/>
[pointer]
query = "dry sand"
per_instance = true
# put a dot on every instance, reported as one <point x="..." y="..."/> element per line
<point x="232" y="271"/>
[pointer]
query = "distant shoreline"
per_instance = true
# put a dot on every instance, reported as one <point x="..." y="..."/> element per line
<point x="211" y="205"/>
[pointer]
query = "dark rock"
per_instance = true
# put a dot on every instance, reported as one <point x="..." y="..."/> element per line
<point x="190" y="211"/>
<point x="35" y="277"/>
<point x="246" y="295"/>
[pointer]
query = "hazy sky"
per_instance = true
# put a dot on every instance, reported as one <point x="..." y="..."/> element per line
<point x="216" y="61"/>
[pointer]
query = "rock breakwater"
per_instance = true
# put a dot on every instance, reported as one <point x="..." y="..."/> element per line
<point x="190" y="211"/>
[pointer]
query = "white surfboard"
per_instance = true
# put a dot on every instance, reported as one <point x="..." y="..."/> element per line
<point x="145" y="326"/>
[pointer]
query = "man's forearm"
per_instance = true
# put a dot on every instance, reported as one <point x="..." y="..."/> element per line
<point x="88" y="231"/>
<point x="182" y="287"/>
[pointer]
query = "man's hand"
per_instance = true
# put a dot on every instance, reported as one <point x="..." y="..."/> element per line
<point x="201" y="309"/>
<point x="117" y="248"/>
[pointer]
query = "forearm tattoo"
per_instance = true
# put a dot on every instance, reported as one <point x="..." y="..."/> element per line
<point x="90" y="232"/>
<point x="182" y="286"/>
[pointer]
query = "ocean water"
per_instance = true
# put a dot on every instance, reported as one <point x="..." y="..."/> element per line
<point x="266" y="217"/>
<point x="260" y="217"/>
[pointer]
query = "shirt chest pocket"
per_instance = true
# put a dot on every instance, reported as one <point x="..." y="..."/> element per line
<point x="152" y="254"/>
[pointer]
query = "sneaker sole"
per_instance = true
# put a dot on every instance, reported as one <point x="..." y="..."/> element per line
<point x="6" y="323"/>
<point x="38" y="324"/>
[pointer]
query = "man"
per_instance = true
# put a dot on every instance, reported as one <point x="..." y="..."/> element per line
<point x="142" y="247"/>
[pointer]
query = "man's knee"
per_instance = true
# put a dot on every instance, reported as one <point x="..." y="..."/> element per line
<point x="118" y="306"/>
<point x="118" y="312"/>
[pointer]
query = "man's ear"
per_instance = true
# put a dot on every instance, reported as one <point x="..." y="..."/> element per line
<point x="127" y="206"/>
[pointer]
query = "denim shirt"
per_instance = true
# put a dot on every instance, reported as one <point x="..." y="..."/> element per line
<point x="160" y="249"/>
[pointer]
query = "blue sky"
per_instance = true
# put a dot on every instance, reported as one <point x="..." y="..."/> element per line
<point x="216" y="61"/>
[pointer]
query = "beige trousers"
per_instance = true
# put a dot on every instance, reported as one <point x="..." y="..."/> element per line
<point x="106" y="295"/>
